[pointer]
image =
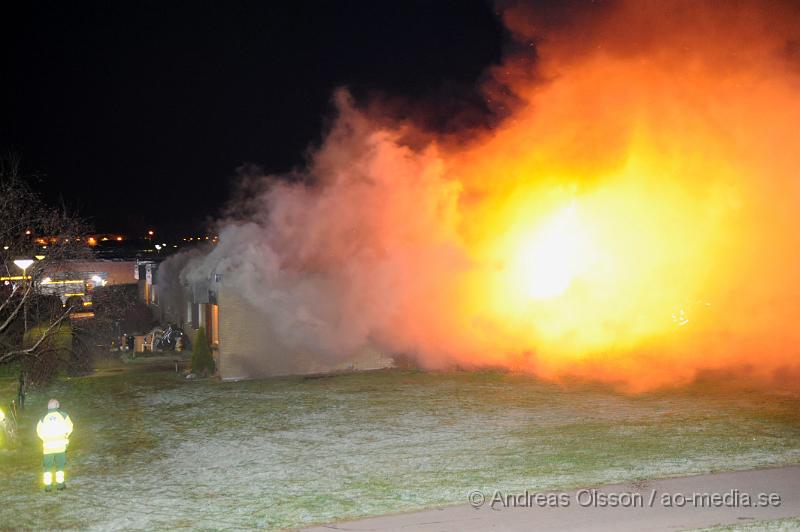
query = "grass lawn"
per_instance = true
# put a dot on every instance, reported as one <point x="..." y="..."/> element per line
<point x="773" y="525"/>
<point x="151" y="450"/>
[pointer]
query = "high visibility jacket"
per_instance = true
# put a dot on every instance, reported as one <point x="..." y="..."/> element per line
<point x="54" y="430"/>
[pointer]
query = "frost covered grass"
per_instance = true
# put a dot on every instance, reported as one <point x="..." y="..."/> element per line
<point x="151" y="450"/>
<point x="789" y="524"/>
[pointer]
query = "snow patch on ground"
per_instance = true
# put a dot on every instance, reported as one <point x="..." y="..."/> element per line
<point x="155" y="451"/>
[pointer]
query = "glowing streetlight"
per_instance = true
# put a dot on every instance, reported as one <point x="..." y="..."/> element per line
<point x="23" y="264"/>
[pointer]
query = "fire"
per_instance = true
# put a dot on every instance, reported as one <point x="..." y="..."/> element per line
<point x="546" y="261"/>
<point x="633" y="219"/>
<point x="632" y="188"/>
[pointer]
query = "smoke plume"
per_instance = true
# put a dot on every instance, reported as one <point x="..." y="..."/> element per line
<point x="631" y="219"/>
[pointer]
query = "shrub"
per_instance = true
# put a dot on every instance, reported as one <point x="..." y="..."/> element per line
<point x="202" y="361"/>
<point x="52" y="355"/>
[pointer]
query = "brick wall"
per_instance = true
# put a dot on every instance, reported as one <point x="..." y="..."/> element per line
<point x="248" y="349"/>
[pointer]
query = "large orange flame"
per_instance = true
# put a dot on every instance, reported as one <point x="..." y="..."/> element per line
<point x="640" y="206"/>
<point x="634" y="219"/>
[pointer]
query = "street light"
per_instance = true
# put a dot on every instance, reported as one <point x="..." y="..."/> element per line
<point x="23" y="265"/>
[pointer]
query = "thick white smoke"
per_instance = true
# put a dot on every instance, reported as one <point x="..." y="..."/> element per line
<point x="340" y="257"/>
<point x="666" y="133"/>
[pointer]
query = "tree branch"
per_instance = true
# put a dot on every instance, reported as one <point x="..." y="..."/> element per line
<point x="14" y="313"/>
<point x="9" y="298"/>
<point x="5" y="357"/>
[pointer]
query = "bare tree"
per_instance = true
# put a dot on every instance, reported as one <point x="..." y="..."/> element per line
<point x="30" y="229"/>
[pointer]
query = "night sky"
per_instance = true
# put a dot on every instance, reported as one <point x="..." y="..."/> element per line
<point x="139" y="113"/>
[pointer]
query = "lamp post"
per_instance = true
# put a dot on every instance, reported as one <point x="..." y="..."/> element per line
<point x="24" y="264"/>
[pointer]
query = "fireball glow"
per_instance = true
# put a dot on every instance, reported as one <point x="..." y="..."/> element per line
<point x="548" y="260"/>
<point x="640" y="176"/>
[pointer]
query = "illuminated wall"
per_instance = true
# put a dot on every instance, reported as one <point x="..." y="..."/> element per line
<point x="248" y="347"/>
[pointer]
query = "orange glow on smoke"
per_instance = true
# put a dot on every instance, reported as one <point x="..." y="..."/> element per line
<point x="634" y="219"/>
<point x="636" y="215"/>
<point x="629" y="189"/>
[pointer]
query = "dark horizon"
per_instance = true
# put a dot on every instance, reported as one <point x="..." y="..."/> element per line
<point x="138" y="115"/>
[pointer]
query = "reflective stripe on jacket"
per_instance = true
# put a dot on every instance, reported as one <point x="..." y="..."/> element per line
<point x="54" y="430"/>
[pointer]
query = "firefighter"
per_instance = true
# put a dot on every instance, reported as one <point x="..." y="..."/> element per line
<point x="54" y="429"/>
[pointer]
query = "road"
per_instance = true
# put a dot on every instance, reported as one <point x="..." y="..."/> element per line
<point x="640" y="506"/>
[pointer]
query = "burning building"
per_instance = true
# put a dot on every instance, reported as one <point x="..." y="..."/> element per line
<point x="629" y="216"/>
<point x="243" y="339"/>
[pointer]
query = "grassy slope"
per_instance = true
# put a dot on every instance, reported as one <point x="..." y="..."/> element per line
<point x="152" y="450"/>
